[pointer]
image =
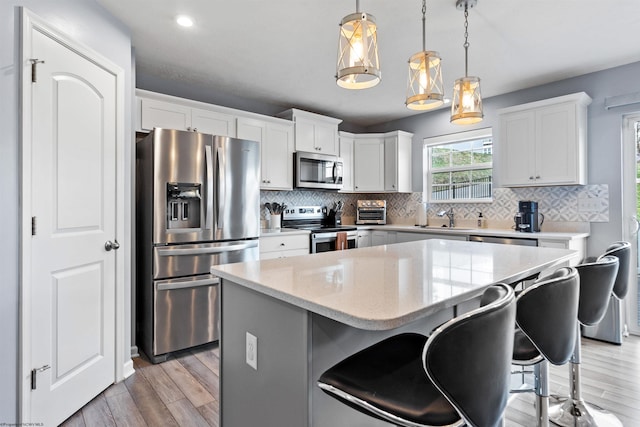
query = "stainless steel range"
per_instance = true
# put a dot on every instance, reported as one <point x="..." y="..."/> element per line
<point x="324" y="236"/>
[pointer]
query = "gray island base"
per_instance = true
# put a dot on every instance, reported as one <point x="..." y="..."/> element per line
<point x="309" y="312"/>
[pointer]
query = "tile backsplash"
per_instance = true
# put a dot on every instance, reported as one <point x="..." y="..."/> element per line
<point x="558" y="204"/>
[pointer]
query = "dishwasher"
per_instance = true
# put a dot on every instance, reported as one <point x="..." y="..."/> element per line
<point x="504" y="240"/>
<point x="509" y="241"/>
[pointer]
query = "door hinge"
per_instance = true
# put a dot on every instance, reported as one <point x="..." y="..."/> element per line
<point x="34" y="63"/>
<point x="34" y="374"/>
<point x="33" y="225"/>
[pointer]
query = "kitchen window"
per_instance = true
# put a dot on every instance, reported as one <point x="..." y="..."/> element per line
<point x="459" y="167"/>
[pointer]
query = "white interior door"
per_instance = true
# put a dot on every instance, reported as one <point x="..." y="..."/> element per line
<point x="631" y="187"/>
<point x="71" y="191"/>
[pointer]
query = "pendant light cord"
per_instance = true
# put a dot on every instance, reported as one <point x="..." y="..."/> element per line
<point x="466" y="42"/>
<point x="424" y="25"/>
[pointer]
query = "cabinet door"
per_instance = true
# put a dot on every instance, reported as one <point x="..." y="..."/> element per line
<point x="391" y="163"/>
<point x="256" y="130"/>
<point x="346" y="153"/>
<point x="277" y="158"/>
<point x="368" y="161"/>
<point x="326" y="138"/>
<point x="213" y="123"/>
<point x="305" y="135"/>
<point x="556" y="145"/>
<point x="158" y="114"/>
<point x="516" y="147"/>
<point x="378" y="238"/>
<point x="364" y="239"/>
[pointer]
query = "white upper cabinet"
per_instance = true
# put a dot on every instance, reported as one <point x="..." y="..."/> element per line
<point x="545" y="142"/>
<point x="346" y="154"/>
<point x="382" y="162"/>
<point x="368" y="163"/>
<point x="213" y="123"/>
<point x="313" y="132"/>
<point x="276" y="151"/>
<point x="159" y="114"/>
<point x="397" y="162"/>
<point x="168" y="115"/>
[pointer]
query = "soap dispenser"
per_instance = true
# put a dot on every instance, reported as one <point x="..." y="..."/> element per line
<point x="481" y="221"/>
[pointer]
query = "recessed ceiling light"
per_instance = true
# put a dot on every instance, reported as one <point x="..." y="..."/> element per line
<point x="184" y="21"/>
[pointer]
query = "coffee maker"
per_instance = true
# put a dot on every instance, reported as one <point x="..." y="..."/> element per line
<point x="527" y="217"/>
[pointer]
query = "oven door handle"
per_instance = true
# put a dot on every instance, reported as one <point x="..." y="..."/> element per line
<point x="204" y="251"/>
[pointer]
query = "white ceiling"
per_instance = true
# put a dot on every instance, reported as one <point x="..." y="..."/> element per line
<point x="284" y="51"/>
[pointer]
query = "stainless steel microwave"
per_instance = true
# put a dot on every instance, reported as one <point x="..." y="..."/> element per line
<point x="317" y="171"/>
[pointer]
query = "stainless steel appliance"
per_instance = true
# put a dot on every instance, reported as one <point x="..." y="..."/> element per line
<point x="371" y="212"/>
<point x="317" y="171"/>
<point x="527" y="217"/>
<point x="198" y="201"/>
<point x="323" y="235"/>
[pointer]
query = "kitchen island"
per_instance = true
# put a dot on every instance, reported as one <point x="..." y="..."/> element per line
<point x="309" y="312"/>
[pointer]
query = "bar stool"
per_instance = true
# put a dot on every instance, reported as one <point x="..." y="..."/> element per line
<point x="467" y="370"/>
<point x="597" y="282"/>
<point x="546" y="316"/>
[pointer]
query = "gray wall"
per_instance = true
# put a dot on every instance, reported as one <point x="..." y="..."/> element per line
<point x="604" y="134"/>
<point x="90" y="25"/>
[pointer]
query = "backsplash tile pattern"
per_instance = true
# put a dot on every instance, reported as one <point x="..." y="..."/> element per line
<point x="558" y="204"/>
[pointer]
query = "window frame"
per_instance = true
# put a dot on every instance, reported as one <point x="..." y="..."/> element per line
<point x="453" y="138"/>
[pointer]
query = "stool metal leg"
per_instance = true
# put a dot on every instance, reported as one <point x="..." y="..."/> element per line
<point x="541" y="373"/>
<point x="573" y="411"/>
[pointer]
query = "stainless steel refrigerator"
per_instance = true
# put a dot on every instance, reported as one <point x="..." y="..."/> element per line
<point x="197" y="205"/>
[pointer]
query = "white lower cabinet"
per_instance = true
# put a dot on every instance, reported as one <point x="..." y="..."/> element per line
<point x="364" y="238"/>
<point x="281" y="245"/>
<point x="378" y="238"/>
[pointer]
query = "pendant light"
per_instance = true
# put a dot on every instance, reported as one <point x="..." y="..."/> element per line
<point x="424" y="89"/>
<point x="358" y="64"/>
<point x="466" y="107"/>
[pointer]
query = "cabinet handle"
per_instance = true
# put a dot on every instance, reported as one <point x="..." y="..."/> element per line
<point x="531" y="177"/>
<point x="537" y="176"/>
<point x="195" y="129"/>
<point x="189" y="128"/>
<point x="282" y="244"/>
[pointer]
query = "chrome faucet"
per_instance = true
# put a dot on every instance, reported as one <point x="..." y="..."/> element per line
<point x="449" y="214"/>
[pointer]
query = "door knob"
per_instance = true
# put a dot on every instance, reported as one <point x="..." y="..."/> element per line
<point x="111" y="245"/>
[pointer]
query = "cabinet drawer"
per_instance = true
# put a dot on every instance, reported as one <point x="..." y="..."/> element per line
<point x="284" y="243"/>
<point x="283" y="254"/>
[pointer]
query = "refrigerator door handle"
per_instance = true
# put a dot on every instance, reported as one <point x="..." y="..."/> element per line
<point x="208" y="222"/>
<point x="169" y="286"/>
<point x="210" y="250"/>
<point x="220" y="190"/>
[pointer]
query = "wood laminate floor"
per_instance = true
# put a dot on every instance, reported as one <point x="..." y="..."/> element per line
<point x="185" y="391"/>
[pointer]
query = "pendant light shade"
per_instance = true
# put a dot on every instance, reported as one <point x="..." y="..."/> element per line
<point x="466" y="106"/>
<point x="425" y="88"/>
<point x="358" y="64"/>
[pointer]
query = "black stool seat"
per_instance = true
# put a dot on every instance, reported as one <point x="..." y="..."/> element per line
<point x="389" y="376"/>
<point x="523" y="348"/>
<point x="459" y="374"/>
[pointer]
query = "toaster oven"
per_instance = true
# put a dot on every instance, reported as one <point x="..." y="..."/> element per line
<point x="371" y="212"/>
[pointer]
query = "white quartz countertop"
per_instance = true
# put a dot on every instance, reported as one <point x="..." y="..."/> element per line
<point x="467" y="231"/>
<point x="268" y="232"/>
<point x="384" y="287"/>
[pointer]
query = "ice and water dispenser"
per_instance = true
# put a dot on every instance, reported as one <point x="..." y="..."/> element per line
<point x="183" y="205"/>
